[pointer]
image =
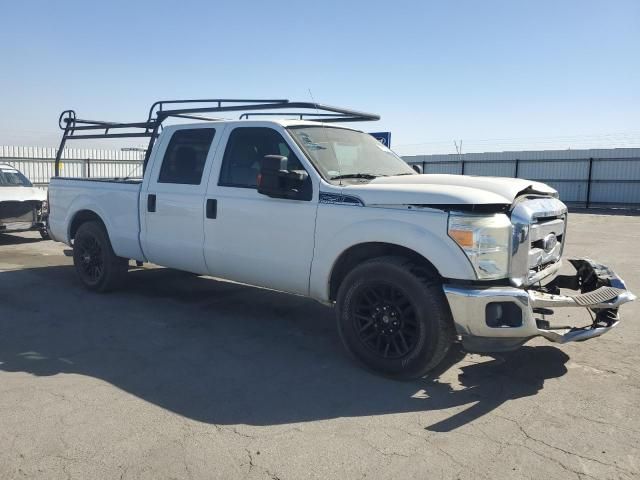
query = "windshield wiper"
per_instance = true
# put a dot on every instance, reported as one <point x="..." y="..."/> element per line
<point x="368" y="176"/>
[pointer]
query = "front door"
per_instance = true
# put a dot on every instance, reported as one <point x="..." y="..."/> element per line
<point x="173" y="205"/>
<point x="256" y="239"/>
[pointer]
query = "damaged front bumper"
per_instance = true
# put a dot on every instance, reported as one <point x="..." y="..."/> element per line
<point x="22" y="216"/>
<point x="503" y="318"/>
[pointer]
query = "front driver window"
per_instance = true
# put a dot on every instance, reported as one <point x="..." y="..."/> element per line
<point x="245" y="148"/>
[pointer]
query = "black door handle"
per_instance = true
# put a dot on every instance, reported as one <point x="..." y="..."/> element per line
<point x="212" y="208"/>
<point x="151" y="202"/>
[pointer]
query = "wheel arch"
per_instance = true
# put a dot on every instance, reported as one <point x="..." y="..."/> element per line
<point x="83" y="216"/>
<point x="356" y="254"/>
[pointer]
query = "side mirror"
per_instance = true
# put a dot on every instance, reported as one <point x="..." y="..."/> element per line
<point x="417" y="168"/>
<point x="276" y="181"/>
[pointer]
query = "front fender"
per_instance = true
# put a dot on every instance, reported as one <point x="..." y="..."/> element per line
<point x="424" y="232"/>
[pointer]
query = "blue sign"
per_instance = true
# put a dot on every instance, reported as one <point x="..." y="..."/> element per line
<point x="383" y="137"/>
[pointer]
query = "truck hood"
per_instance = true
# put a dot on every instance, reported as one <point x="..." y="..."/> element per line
<point x="21" y="194"/>
<point x="434" y="189"/>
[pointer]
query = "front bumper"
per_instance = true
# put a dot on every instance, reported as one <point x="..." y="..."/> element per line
<point x="16" y="227"/>
<point x="503" y="318"/>
<point x="22" y="216"/>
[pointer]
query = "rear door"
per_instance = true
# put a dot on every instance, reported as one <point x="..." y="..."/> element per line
<point x="253" y="238"/>
<point x="173" y="204"/>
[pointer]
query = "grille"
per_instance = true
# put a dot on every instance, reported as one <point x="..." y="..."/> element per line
<point x="546" y="242"/>
<point x="538" y="238"/>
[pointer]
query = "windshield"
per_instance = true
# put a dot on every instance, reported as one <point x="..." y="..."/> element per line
<point x="10" y="177"/>
<point x="341" y="153"/>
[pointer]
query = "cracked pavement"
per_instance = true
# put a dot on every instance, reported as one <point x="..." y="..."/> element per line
<point x="185" y="377"/>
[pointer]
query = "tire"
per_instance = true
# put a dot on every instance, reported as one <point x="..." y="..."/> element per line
<point x="44" y="234"/>
<point x="98" y="267"/>
<point x="393" y="317"/>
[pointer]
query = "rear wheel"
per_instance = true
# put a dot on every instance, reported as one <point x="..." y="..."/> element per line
<point x="393" y="317"/>
<point x="99" y="268"/>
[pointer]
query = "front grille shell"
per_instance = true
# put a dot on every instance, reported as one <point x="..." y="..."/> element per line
<point x="533" y="220"/>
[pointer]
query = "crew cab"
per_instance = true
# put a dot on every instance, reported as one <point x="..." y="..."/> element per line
<point x="411" y="262"/>
<point x="22" y="206"/>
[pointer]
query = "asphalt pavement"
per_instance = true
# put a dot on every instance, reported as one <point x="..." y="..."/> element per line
<point x="179" y="376"/>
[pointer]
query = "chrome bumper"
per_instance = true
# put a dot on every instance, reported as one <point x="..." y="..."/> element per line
<point x="503" y="318"/>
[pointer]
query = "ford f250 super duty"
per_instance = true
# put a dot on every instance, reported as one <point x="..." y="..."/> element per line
<point x="412" y="262"/>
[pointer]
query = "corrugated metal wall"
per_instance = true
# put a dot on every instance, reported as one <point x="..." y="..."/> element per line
<point x="597" y="177"/>
<point x="37" y="163"/>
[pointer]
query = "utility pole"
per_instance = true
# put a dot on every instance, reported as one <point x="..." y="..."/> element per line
<point x="459" y="152"/>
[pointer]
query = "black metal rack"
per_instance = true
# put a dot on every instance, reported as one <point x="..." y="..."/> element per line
<point x="76" y="128"/>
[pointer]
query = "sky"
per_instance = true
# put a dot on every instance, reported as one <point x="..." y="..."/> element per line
<point x="498" y="75"/>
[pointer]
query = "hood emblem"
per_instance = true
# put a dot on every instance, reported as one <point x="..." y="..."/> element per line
<point x="549" y="242"/>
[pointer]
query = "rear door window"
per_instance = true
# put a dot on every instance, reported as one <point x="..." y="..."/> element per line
<point x="186" y="155"/>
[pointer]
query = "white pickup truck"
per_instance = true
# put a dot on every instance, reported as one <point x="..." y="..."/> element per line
<point x="411" y="262"/>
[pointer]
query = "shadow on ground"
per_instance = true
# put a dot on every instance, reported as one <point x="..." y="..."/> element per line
<point x="223" y="353"/>
<point x="8" y="239"/>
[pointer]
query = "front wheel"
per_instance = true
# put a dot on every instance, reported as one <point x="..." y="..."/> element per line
<point x="99" y="268"/>
<point x="393" y="317"/>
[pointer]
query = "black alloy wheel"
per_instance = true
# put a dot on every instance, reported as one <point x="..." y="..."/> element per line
<point x="98" y="267"/>
<point x="91" y="258"/>
<point x="393" y="317"/>
<point x="385" y="320"/>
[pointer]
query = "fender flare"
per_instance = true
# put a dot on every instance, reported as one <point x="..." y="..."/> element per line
<point x="84" y="203"/>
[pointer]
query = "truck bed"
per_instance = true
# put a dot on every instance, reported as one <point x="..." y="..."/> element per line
<point x="115" y="200"/>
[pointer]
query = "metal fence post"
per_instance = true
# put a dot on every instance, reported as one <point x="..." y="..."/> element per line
<point x="589" y="182"/>
<point x="517" y="168"/>
<point x="88" y="164"/>
<point x="462" y="161"/>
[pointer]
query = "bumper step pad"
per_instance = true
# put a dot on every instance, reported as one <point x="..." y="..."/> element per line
<point x="601" y="295"/>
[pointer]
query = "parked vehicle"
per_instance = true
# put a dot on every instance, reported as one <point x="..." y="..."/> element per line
<point x="22" y="206"/>
<point x="412" y="263"/>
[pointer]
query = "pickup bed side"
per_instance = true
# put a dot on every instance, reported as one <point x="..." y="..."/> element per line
<point x="115" y="203"/>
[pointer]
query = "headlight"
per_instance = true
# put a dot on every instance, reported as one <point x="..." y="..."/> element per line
<point x="485" y="240"/>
